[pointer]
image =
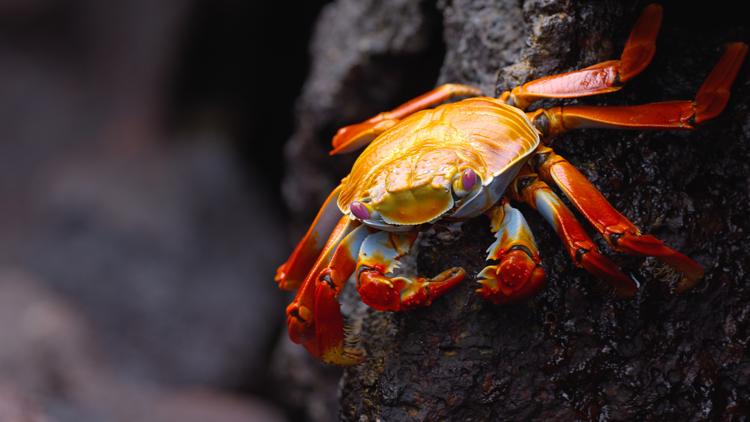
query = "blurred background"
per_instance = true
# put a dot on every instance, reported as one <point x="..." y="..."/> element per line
<point x="141" y="218"/>
<point x="143" y="152"/>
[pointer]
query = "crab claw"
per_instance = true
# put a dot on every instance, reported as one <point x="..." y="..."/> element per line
<point x="515" y="278"/>
<point x="301" y="312"/>
<point x="402" y="293"/>
<point x="385" y="283"/>
<point x="332" y="342"/>
<point x="645" y="244"/>
<point x="518" y="273"/>
<point x="325" y="336"/>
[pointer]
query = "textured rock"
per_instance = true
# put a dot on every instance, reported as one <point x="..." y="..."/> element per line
<point x="575" y="352"/>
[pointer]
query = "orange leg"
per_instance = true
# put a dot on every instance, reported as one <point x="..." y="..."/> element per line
<point x="619" y="232"/>
<point x="517" y="273"/>
<point x="352" y="137"/>
<point x="291" y="273"/>
<point x="600" y="78"/>
<point x="529" y="189"/>
<point x="711" y="99"/>
<point x="380" y="257"/>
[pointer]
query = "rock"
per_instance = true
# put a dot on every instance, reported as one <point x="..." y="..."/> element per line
<point x="574" y="351"/>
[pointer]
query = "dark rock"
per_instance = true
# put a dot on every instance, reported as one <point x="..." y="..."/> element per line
<point x="574" y="351"/>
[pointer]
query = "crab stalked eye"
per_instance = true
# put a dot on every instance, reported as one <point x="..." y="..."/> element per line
<point x="464" y="182"/>
<point x="468" y="179"/>
<point x="360" y="210"/>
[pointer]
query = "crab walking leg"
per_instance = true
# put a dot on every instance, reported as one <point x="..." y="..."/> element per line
<point x="619" y="232"/>
<point x="529" y="189"/>
<point x="291" y="273"/>
<point x="600" y="78"/>
<point x="709" y="102"/>
<point x="331" y="343"/>
<point x="518" y="273"/>
<point x="352" y="137"/>
<point x="380" y="256"/>
<point x="300" y="313"/>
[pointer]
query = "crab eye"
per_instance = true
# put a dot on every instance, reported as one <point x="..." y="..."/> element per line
<point x="468" y="179"/>
<point x="464" y="182"/>
<point x="359" y="210"/>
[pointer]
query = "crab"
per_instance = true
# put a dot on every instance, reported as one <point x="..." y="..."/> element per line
<point x="428" y="160"/>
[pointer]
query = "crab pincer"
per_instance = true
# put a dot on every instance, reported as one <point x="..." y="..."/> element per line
<point x="518" y="273"/>
<point x="386" y="285"/>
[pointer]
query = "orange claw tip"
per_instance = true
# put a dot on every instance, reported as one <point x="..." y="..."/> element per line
<point x="299" y="323"/>
<point x="738" y="48"/>
<point x="713" y="95"/>
<point x="686" y="283"/>
<point x="352" y="137"/>
<point x="281" y="278"/>
<point x="280" y="273"/>
<point x="601" y="267"/>
<point x="692" y="272"/>
<point x="648" y="245"/>
<point x="447" y="278"/>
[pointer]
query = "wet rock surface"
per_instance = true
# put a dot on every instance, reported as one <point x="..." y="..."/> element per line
<point x="574" y="351"/>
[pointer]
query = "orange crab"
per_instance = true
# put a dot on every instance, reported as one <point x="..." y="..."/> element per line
<point x="477" y="156"/>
